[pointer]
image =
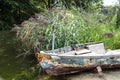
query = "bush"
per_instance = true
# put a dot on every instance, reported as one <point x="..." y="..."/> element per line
<point x="70" y="27"/>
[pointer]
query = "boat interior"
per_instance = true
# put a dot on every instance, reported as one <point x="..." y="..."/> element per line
<point x="93" y="49"/>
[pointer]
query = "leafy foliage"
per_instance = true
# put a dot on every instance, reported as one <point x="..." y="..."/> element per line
<point x="16" y="11"/>
<point x="71" y="27"/>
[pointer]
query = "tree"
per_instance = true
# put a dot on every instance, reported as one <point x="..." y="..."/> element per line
<point x="15" y="11"/>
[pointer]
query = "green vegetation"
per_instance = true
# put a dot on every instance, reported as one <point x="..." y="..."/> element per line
<point x="72" y="21"/>
<point x="16" y="11"/>
<point x="29" y="74"/>
<point x="71" y="27"/>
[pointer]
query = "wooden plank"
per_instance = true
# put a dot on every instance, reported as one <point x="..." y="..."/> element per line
<point x="99" y="70"/>
<point x="89" y="56"/>
<point x="97" y="48"/>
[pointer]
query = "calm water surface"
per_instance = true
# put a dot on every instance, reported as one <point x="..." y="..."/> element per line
<point x="10" y="65"/>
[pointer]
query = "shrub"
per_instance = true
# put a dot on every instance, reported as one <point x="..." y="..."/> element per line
<point x="70" y="27"/>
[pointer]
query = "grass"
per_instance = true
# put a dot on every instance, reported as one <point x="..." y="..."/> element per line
<point x="70" y="27"/>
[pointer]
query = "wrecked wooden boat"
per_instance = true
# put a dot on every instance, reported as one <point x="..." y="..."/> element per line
<point x="77" y="58"/>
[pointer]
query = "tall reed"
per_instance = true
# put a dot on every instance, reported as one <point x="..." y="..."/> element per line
<point x="70" y="27"/>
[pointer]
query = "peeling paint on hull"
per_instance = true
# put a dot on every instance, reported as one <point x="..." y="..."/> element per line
<point x="55" y="71"/>
<point x="80" y="58"/>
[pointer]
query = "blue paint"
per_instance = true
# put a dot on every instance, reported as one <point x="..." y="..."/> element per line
<point x="67" y="61"/>
<point x="115" y="61"/>
<point x="72" y="61"/>
<point x="79" y="61"/>
<point x="46" y="64"/>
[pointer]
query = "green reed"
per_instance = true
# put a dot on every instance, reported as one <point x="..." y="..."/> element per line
<point x="70" y="27"/>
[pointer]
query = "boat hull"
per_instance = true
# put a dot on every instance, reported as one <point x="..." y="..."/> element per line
<point x="55" y="71"/>
<point x="79" y="58"/>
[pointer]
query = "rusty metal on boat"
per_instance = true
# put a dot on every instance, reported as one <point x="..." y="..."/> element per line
<point x="77" y="58"/>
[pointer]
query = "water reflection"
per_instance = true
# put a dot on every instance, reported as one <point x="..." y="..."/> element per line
<point x="9" y="49"/>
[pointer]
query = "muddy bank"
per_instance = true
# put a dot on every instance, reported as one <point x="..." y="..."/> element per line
<point x="107" y="75"/>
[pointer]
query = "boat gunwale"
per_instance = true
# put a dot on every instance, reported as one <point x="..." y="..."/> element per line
<point x="73" y="47"/>
<point x="85" y="56"/>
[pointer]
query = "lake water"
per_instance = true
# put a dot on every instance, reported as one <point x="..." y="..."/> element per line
<point x="10" y="65"/>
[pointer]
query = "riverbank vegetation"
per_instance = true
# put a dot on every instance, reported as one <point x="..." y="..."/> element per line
<point x="71" y="27"/>
<point x="72" y="22"/>
<point x="15" y="11"/>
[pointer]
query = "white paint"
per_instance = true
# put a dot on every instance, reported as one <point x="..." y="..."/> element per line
<point x="110" y="2"/>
